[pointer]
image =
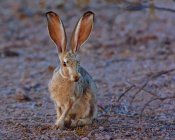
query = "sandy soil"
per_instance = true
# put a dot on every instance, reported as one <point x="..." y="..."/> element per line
<point x="131" y="52"/>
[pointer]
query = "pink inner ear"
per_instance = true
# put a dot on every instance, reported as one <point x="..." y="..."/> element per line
<point x="56" y="31"/>
<point x="59" y="47"/>
<point x="82" y="31"/>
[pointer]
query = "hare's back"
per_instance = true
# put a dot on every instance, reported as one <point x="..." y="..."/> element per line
<point x="87" y="80"/>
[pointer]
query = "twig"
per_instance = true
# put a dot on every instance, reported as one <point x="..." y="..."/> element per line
<point x="140" y="6"/>
<point x="154" y="76"/>
<point x="101" y="108"/>
<point x="162" y="8"/>
<point x="162" y="73"/>
<point x="161" y="99"/>
<point x="135" y="7"/>
<point x="139" y="90"/>
<point x="123" y="94"/>
<point x="138" y="87"/>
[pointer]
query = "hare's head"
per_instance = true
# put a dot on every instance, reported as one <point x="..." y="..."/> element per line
<point x="68" y="62"/>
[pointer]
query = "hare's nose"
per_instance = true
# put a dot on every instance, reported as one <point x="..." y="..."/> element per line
<point x="76" y="78"/>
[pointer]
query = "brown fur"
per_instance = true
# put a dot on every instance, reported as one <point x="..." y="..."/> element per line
<point x="72" y="89"/>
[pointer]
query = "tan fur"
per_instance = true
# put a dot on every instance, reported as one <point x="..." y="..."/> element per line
<point x="72" y="89"/>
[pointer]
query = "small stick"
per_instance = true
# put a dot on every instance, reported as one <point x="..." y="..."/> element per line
<point x="123" y="94"/>
<point x="154" y="76"/>
<point x="138" y="87"/>
<point x="101" y="108"/>
<point x="161" y="99"/>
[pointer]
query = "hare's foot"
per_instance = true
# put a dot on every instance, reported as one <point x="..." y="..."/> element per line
<point x="81" y="122"/>
<point x="67" y="123"/>
<point x="59" y="124"/>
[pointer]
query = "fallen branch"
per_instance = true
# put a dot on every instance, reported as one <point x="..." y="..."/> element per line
<point x="101" y="108"/>
<point x="139" y="6"/>
<point x="154" y="76"/>
<point x="123" y="94"/>
<point x="138" y="87"/>
<point x="154" y="99"/>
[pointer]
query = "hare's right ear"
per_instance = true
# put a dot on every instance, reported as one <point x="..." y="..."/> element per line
<point x="56" y="30"/>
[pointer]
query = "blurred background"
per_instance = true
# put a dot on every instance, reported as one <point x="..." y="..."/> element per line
<point x="130" y="55"/>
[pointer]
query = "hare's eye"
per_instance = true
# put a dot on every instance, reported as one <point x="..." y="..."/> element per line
<point x="64" y="64"/>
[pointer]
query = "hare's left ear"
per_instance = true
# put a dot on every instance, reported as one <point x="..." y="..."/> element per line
<point x="82" y="31"/>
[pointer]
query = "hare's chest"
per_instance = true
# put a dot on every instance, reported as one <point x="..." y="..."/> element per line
<point x="61" y="91"/>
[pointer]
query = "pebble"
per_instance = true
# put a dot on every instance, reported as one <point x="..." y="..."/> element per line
<point x="85" y="138"/>
<point x="101" y="128"/>
<point x="108" y="137"/>
<point x="99" y="137"/>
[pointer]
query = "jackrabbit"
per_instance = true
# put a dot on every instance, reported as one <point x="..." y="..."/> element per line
<point x="72" y="89"/>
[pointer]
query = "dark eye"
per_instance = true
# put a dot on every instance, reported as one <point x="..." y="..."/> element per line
<point x="64" y="64"/>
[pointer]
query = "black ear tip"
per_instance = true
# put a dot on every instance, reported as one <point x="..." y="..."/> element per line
<point x="50" y="13"/>
<point x="88" y="13"/>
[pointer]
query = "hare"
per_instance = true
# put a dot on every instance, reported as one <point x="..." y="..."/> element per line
<point x="72" y="89"/>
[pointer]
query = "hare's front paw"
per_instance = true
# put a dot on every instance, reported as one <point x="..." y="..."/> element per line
<point x="59" y="124"/>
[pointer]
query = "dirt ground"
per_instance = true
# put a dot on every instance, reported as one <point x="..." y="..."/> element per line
<point x="130" y="54"/>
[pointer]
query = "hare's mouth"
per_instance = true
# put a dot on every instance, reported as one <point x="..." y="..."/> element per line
<point x="75" y="78"/>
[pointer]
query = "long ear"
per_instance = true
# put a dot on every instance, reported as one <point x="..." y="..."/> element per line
<point x="82" y="31"/>
<point x="56" y="30"/>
